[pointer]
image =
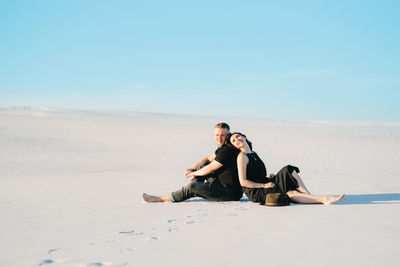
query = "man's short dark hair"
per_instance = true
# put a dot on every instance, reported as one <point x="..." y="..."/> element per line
<point x="223" y="125"/>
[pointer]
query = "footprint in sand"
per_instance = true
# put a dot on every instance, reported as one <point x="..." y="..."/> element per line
<point x="50" y="261"/>
<point x="53" y="250"/>
<point x="189" y="220"/>
<point x="241" y="208"/>
<point x="132" y="232"/>
<point x="99" y="264"/>
<point x="202" y="212"/>
<point x="172" y="229"/>
<point x="45" y="262"/>
<point x="153" y="238"/>
<point x="126" y="250"/>
<point x="127" y="232"/>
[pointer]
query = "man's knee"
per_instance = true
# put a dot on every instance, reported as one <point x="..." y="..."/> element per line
<point x="208" y="177"/>
<point x="193" y="186"/>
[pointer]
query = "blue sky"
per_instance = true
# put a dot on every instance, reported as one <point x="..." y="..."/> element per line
<point x="307" y="60"/>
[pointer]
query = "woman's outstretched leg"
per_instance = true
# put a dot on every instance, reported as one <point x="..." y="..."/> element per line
<point x="302" y="187"/>
<point x="151" y="199"/>
<point x="305" y="198"/>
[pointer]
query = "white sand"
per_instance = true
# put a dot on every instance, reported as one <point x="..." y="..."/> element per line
<point x="71" y="185"/>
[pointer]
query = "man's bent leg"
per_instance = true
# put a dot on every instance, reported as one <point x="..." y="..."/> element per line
<point x="209" y="177"/>
<point x="184" y="193"/>
<point x="214" y="191"/>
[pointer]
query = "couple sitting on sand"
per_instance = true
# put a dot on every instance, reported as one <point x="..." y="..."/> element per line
<point x="235" y="168"/>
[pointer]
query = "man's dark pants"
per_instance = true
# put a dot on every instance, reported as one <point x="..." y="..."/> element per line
<point x="212" y="189"/>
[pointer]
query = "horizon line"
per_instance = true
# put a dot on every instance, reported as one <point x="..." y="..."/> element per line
<point x="243" y="117"/>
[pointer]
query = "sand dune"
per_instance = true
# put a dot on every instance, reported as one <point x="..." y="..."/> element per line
<point x="71" y="185"/>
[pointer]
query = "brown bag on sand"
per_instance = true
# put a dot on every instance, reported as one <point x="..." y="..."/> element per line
<point x="276" y="199"/>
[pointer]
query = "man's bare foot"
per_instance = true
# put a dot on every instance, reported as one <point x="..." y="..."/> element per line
<point x="333" y="199"/>
<point x="151" y="199"/>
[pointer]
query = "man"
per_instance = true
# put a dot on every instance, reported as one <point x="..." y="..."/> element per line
<point x="225" y="184"/>
<point x="221" y="131"/>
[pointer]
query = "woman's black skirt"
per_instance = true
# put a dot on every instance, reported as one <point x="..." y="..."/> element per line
<point x="283" y="180"/>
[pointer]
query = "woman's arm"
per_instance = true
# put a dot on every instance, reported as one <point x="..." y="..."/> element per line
<point x="242" y="161"/>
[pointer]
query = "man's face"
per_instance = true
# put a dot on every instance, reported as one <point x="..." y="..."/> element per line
<point x="220" y="135"/>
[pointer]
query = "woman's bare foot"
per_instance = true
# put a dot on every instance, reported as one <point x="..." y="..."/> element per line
<point x="151" y="199"/>
<point x="333" y="199"/>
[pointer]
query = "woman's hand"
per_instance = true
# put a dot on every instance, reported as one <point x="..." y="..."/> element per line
<point x="269" y="185"/>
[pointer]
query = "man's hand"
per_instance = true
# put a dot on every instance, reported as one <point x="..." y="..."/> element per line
<point x="188" y="171"/>
<point x="214" y="165"/>
<point x="191" y="176"/>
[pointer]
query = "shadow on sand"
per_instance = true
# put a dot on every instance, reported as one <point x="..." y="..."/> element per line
<point x="243" y="199"/>
<point x="391" y="198"/>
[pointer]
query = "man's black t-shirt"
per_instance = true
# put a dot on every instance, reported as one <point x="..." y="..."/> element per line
<point x="228" y="173"/>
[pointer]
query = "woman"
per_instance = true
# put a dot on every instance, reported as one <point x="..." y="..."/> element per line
<point x="257" y="187"/>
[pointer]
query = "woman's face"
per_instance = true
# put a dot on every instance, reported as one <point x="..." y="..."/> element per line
<point x="238" y="140"/>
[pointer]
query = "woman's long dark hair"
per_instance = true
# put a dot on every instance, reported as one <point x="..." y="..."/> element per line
<point x="228" y="140"/>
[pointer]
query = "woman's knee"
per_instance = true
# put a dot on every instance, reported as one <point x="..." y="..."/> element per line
<point x="290" y="169"/>
<point x="292" y="193"/>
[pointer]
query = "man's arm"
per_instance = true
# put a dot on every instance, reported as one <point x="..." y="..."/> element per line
<point x="213" y="166"/>
<point x="207" y="159"/>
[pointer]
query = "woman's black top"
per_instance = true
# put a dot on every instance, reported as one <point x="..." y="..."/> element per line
<point x="256" y="170"/>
